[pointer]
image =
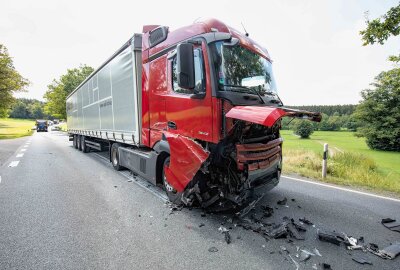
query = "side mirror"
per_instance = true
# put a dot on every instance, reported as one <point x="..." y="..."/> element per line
<point x="185" y="66"/>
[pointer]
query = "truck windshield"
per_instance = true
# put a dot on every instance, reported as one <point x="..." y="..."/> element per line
<point x="241" y="70"/>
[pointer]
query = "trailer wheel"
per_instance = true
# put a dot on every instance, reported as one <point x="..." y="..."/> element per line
<point x="76" y="141"/>
<point x="80" y="142"/>
<point x="115" y="157"/>
<point x="173" y="195"/>
<point x="85" y="149"/>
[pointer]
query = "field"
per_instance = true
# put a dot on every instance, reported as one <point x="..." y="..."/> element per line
<point x="351" y="162"/>
<point x="15" y="128"/>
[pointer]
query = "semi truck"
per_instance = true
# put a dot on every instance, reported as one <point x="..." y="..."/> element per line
<point x="194" y="110"/>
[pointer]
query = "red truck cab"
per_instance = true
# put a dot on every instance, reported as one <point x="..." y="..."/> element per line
<point x="210" y="101"/>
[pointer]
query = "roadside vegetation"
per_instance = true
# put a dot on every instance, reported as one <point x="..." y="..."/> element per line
<point x="14" y="128"/>
<point x="351" y="162"/>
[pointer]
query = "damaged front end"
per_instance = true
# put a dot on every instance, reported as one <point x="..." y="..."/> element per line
<point x="247" y="161"/>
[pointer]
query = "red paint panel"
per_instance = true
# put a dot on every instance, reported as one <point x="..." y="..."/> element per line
<point x="186" y="157"/>
<point x="267" y="116"/>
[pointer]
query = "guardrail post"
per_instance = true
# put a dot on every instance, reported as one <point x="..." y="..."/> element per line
<point x="324" y="160"/>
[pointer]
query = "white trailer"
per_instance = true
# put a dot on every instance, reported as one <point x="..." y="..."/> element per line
<point x="107" y="105"/>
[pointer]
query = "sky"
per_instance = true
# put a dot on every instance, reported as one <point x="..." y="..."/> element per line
<point x="315" y="45"/>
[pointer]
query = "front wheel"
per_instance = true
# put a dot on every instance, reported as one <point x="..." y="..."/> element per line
<point x="173" y="195"/>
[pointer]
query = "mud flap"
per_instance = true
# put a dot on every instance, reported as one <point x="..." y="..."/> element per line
<point x="186" y="158"/>
<point x="267" y="116"/>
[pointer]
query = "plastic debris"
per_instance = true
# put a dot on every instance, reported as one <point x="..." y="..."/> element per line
<point x="326" y="266"/>
<point x="227" y="237"/>
<point x="306" y="221"/>
<point x="201" y="225"/>
<point x="361" y="260"/>
<point x="331" y="237"/>
<point x="282" y="202"/>
<point x="391" y="251"/>
<point x="305" y="255"/>
<point x="391" y="224"/>
<point x="316" y="252"/>
<point x="267" y="210"/>
<point x="213" y="249"/>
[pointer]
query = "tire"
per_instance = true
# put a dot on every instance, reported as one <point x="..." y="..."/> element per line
<point x="85" y="149"/>
<point x="76" y="141"/>
<point x="173" y="195"/>
<point x="79" y="142"/>
<point x="114" y="156"/>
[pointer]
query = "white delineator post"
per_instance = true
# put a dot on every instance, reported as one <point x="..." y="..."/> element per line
<point x="324" y="160"/>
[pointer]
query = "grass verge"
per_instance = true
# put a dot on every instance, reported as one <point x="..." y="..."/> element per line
<point x="14" y="128"/>
<point x="351" y="162"/>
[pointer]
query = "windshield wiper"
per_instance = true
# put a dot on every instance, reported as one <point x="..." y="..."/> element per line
<point x="246" y="88"/>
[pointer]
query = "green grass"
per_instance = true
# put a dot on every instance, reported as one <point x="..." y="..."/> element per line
<point x="15" y="128"/>
<point x="352" y="162"/>
<point x="63" y="126"/>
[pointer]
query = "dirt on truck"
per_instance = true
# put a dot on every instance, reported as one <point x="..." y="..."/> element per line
<point x="195" y="110"/>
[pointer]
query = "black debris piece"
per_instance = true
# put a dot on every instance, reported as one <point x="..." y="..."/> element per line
<point x="331" y="237"/>
<point x="306" y="221"/>
<point x="293" y="200"/>
<point x="227" y="237"/>
<point x="326" y="266"/>
<point x="282" y="202"/>
<point x="298" y="226"/>
<point x="203" y="214"/>
<point x="115" y="186"/>
<point x="139" y="215"/>
<point x="284" y="249"/>
<point x="283" y="230"/>
<point x="201" y="225"/>
<point x="361" y="239"/>
<point x="293" y="232"/>
<point x="373" y="247"/>
<point x="279" y="231"/>
<point x="267" y="210"/>
<point x="391" y="224"/>
<point x="213" y="249"/>
<point x="391" y="251"/>
<point x="248" y="208"/>
<point x="272" y="252"/>
<point x="361" y="260"/>
<point x="299" y="206"/>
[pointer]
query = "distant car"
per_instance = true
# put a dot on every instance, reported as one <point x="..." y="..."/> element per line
<point x="56" y="121"/>
<point x="41" y="125"/>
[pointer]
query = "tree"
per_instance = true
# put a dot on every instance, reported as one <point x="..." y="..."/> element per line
<point x="379" y="112"/>
<point x="380" y="29"/>
<point x="10" y="80"/>
<point x="303" y="128"/>
<point x="58" y="90"/>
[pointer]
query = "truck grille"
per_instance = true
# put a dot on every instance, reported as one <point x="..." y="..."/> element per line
<point x="258" y="155"/>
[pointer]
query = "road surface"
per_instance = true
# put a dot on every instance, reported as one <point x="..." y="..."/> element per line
<point x="63" y="209"/>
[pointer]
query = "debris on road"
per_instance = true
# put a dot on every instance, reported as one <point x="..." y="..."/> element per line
<point x="213" y="249"/>
<point x="305" y="255"/>
<point x="391" y="251"/>
<point x="306" y="221"/>
<point x="201" y="225"/>
<point x="326" y="266"/>
<point x="267" y="210"/>
<point x="316" y="252"/>
<point x="282" y="202"/>
<point x="295" y="263"/>
<point x="331" y="237"/>
<point x="361" y="260"/>
<point x="227" y="237"/>
<point x="391" y="224"/>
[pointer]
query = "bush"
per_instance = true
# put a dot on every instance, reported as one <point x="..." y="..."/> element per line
<point x="303" y="128"/>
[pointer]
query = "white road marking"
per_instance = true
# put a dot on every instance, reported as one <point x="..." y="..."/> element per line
<point x="20" y="155"/>
<point x="0" y="179"/>
<point x="341" y="188"/>
<point x="14" y="163"/>
<point x="23" y="149"/>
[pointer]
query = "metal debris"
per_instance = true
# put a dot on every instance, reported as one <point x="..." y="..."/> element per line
<point x="282" y="202"/>
<point x="361" y="260"/>
<point x="213" y="249"/>
<point x="391" y="251"/>
<point x="391" y="224"/>
<point x="248" y="208"/>
<point x="306" y="221"/>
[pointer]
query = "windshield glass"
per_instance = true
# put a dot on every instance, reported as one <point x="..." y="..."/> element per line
<point x="239" y="69"/>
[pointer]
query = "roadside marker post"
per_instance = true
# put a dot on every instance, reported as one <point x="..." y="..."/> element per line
<point x="324" y="160"/>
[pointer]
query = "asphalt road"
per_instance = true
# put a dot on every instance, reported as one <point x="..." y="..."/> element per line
<point x="62" y="209"/>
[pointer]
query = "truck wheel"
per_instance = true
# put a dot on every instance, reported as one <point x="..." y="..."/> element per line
<point x="115" y="157"/>
<point x="80" y="142"/>
<point x="85" y="149"/>
<point x="173" y="195"/>
<point x="76" y="141"/>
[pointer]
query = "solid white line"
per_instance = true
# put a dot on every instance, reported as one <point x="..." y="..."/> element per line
<point x="20" y="155"/>
<point x="14" y="163"/>
<point x="0" y="179"/>
<point x="341" y="188"/>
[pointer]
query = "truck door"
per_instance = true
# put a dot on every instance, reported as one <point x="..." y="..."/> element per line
<point x="190" y="114"/>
